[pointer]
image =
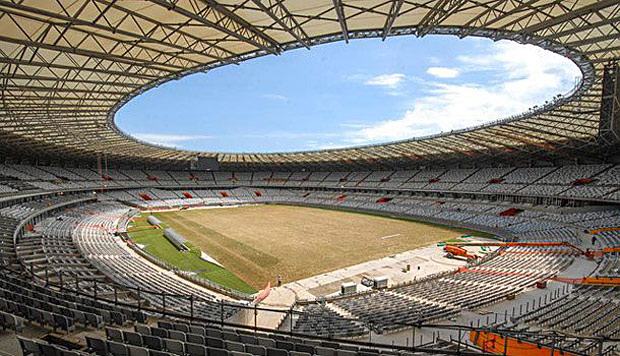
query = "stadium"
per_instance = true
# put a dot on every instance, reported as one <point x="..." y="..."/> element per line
<point x="503" y="238"/>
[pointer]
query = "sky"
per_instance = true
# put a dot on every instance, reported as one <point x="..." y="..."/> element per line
<point x="339" y="95"/>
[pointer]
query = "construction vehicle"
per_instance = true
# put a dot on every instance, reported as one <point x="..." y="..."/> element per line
<point x="457" y="252"/>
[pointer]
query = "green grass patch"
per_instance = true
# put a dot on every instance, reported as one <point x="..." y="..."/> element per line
<point x="260" y="258"/>
<point x="455" y="240"/>
<point x="157" y="245"/>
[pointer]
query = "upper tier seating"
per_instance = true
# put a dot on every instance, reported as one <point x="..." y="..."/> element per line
<point x="568" y="174"/>
<point x="83" y="244"/>
<point x="62" y="173"/>
<point x="8" y="171"/>
<point x="527" y="175"/>
<point x="582" y="181"/>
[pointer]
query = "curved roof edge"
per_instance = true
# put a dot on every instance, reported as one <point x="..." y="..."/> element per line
<point x="585" y="83"/>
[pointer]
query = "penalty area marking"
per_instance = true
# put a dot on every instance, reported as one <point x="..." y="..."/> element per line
<point x="389" y="236"/>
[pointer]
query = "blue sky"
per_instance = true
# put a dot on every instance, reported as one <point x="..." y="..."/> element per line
<point x="339" y="95"/>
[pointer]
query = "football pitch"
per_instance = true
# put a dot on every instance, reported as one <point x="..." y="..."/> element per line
<point x="257" y="243"/>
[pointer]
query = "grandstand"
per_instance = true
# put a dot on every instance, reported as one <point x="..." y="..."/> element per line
<point x="544" y="184"/>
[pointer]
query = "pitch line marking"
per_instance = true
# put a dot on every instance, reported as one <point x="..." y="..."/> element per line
<point x="389" y="236"/>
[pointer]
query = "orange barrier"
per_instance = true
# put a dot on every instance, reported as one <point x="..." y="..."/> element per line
<point x="607" y="281"/>
<point x="601" y="281"/>
<point x="539" y="244"/>
<point x="604" y="229"/>
<point x="595" y="281"/>
<point x="512" y="244"/>
<point x="552" y="252"/>
<point x="498" y="344"/>
<point x="567" y="280"/>
<point x="517" y="244"/>
<point x="611" y="250"/>
<point x="599" y="253"/>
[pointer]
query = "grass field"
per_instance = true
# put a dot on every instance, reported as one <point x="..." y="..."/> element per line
<point x="256" y="243"/>
<point x="157" y="245"/>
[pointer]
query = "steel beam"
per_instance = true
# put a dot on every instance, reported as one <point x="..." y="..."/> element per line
<point x="342" y="20"/>
<point x="392" y="15"/>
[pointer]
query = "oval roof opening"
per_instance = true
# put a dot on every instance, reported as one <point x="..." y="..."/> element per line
<point x="342" y="95"/>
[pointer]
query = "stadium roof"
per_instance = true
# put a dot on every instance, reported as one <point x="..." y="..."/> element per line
<point x="67" y="66"/>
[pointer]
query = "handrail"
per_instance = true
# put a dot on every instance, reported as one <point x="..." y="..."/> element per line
<point x="455" y="327"/>
<point x="518" y="334"/>
<point x="222" y="321"/>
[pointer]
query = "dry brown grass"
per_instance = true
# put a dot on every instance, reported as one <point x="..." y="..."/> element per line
<point x="259" y="242"/>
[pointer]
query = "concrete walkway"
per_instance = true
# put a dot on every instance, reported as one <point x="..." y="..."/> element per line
<point x="423" y="261"/>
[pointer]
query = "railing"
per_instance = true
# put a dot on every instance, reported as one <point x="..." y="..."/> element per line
<point x="419" y="340"/>
<point x="143" y="301"/>
<point x="155" y="302"/>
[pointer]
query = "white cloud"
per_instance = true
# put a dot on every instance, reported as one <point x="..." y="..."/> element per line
<point x="386" y="80"/>
<point x="275" y="97"/>
<point x="522" y="76"/>
<point x="321" y="145"/>
<point x="169" y="140"/>
<point x="287" y="135"/>
<point x="443" y="72"/>
<point x="504" y="80"/>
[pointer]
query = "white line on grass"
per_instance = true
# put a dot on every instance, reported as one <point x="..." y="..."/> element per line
<point x="389" y="236"/>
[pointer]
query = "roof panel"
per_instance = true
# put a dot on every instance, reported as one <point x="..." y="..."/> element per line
<point x="69" y="66"/>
